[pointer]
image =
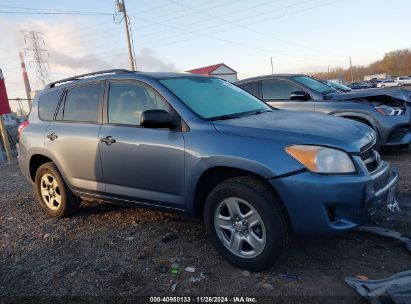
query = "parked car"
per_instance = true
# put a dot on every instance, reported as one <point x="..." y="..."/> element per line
<point x="388" y="112"/>
<point x="403" y="80"/>
<point x="338" y="86"/>
<point x="203" y="147"/>
<point x="387" y="83"/>
<point x="358" y="86"/>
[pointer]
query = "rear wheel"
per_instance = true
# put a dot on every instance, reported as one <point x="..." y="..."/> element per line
<point x="400" y="84"/>
<point x="53" y="194"/>
<point x="246" y="223"/>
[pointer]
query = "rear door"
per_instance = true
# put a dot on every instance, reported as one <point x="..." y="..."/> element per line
<point x="277" y="93"/>
<point x="72" y="138"/>
<point x="145" y="165"/>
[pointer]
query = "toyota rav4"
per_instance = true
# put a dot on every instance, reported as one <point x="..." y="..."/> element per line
<point x="203" y="147"/>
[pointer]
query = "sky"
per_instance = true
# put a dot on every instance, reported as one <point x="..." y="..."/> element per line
<point x="178" y="35"/>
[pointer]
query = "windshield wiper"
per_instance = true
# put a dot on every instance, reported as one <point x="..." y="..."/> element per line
<point x="238" y="115"/>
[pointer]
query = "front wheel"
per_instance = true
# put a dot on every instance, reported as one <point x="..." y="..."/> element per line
<point x="53" y="194"/>
<point x="246" y="223"/>
<point x="400" y="84"/>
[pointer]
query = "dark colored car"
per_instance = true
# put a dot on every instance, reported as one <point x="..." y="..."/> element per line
<point x="203" y="147"/>
<point x="358" y="85"/>
<point x="387" y="111"/>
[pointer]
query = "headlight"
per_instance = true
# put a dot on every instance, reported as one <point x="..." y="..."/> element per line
<point x="321" y="159"/>
<point x="389" y="111"/>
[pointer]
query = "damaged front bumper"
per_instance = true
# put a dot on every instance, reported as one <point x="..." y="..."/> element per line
<point x="327" y="204"/>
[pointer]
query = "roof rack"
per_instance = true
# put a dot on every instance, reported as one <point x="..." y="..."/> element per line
<point x="78" y="77"/>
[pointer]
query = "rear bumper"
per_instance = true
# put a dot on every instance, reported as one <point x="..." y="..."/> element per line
<point x="324" y="205"/>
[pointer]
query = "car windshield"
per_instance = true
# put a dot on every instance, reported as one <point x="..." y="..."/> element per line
<point x="339" y="86"/>
<point x="213" y="98"/>
<point x="315" y="84"/>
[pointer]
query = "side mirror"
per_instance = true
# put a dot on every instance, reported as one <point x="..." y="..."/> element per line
<point x="299" y="95"/>
<point x="157" y="119"/>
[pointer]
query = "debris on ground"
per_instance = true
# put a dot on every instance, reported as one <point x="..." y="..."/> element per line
<point x="190" y="269"/>
<point x="197" y="279"/>
<point x="394" y="289"/>
<point x="245" y="273"/>
<point x="291" y="277"/>
<point x="173" y="287"/>
<point x="387" y="233"/>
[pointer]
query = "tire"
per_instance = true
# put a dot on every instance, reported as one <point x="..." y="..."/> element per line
<point x="272" y="230"/>
<point x="400" y="84"/>
<point x="53" y="194"/>
<point x="383" y="86"/>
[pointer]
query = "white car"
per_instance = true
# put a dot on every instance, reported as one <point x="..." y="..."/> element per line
<point x="403" y="80"/>
<point x="387" y="83"/>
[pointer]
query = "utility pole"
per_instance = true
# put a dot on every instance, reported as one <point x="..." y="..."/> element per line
<point x="352" y="75"/>
<point x="328" y="73"/>
<point x="121" y="8"/>
<point x="36" y="41"/>
<point x="272" y="66"/>
<point x="25" y="79"/>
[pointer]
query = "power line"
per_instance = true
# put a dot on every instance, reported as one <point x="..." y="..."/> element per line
<point x="57" y="13"/>
<point x="248" y="28"/>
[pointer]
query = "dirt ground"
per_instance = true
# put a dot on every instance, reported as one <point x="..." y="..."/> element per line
<point x="107" y="250"/>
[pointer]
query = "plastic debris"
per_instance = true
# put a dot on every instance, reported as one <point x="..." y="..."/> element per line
<point x="291" y="277"/>
<point x="197" y="279"/>
<point x="387" y="233"/>
<point x="175" y="271"/>
<point x="394" y="289"/>
<point x="245" y="273"/>
<point x="190" y="269"/>
<point x="173" y="287"/>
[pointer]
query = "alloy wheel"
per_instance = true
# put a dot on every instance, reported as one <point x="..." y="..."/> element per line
<point x="50" y="191"/>
<point x="240" y="227"/>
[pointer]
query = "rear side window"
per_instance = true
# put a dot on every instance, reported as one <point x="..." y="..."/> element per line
<point x="250" y="87"/>
<point x="48" y="103"/>
<point x="82" y="103"/>
<point x="274" y="89"/>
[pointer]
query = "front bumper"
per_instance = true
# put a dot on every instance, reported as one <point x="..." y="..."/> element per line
<point x="328" y="204"/>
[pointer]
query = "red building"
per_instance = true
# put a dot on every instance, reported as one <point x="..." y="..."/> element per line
<point x="217" y="70"/>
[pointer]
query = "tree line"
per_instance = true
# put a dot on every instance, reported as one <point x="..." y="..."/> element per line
<point x="395" y="63"/>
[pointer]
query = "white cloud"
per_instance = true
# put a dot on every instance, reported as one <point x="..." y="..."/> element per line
<point x="70" y="52"/>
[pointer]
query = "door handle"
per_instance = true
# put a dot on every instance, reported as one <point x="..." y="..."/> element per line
<point x="108" y="140"/>
<point x="52" y="136"/>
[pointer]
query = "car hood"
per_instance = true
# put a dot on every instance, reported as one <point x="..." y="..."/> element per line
<point x="293" y="127"/>
<point x="398" y="93"/>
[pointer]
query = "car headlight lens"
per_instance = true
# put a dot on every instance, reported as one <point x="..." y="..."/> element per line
<point x="321" y="159"/>
<point x="389" y="111"/>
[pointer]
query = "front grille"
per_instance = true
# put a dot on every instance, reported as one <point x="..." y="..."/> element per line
<point x="371" y="158"/>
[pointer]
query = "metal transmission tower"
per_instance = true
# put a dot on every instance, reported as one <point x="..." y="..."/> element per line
<point x="35" y="42"/>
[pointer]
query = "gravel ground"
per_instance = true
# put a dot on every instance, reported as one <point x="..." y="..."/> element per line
<point x="107" y="250"/>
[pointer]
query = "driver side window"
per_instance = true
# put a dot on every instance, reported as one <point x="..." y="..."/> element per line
<point x="277" y="89"/>
<point x="127" y="101"/>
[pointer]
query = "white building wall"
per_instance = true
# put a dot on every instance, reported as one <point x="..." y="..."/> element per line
<point x="225" y="73"/>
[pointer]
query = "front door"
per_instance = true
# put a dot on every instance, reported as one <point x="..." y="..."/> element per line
<point x="146" y="165"/>
<point x="277" y="94"/>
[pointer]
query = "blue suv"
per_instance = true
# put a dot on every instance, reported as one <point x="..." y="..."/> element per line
<point x="203" y="147"/>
